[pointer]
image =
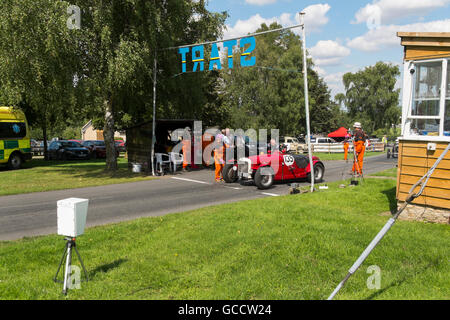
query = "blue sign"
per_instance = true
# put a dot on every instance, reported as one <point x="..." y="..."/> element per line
<point x="16" y="128"/>
<point x="198" y="55"/>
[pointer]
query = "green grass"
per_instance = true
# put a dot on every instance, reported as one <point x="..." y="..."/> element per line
<point x="387" y="173"/>
<point x="340" y="156"/>
<point x="291" y="247"/>
<point x="40" y="175"/>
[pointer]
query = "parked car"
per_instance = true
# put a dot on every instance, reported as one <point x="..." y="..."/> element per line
<point x="291" y="144"/>
<point x="120" y="145"/>
<point x="65" y="150"/>
<point x="324" y="140"/>
<point x="76" y="140"/>
<point x="392" y="149"/>
<point x="37" y="148"/>
<point x="97" y="148"/>
<point x="266" y="169"/>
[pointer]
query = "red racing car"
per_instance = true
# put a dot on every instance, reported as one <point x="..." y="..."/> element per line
<point x="278" y="166"/>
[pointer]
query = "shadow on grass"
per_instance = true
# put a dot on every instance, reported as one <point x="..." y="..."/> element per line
<point x="399" y="282"/>
<point x="89" y="169"/>
<point x="391" y="194"/>
<point x="106" y="267"/>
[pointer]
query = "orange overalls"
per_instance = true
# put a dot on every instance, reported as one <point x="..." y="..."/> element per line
<point x="186" y="152"/>
<point x="346" y="151"/>
<point x="346" y="146"/>
<point x="360" y="148"/>
<point x="218" y="159"/>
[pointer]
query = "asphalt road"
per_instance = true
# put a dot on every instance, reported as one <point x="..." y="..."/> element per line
<point x="35" y="214"/>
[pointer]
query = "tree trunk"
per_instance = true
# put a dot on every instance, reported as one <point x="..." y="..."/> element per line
<point x="108" y="136"/>
<point x="44" y="133"/>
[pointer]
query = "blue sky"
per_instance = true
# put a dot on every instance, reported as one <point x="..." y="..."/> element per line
<point x="343" y="35"/>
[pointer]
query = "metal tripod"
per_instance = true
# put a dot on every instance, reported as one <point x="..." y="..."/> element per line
<point x="70" y="244"/>
<point x="358" y="169"/>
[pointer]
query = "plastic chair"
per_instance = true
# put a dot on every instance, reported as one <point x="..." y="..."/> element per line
<point x="162" y="160"/>
<point x="175" y="159"/>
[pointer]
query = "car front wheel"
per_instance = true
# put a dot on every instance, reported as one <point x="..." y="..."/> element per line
<point x="319" y="171"/>
<point x="263" y="182"/>
<point x="229" y="174"/>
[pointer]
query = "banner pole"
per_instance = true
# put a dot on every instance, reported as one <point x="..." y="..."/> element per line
<point x="154" y="117"/>
<point x="305" y="77"/>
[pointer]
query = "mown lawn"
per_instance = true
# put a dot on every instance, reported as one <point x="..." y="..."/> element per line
<point x="386" y="173"/>
<point x="291" y="247"/>
<point x="340" y="156"/>
<point x="40" y="175"/>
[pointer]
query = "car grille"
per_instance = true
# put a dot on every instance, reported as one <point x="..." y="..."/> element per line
<point x="243" y="168"/>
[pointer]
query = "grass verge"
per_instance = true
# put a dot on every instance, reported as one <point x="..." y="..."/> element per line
<point x="291" y="247"/>
<point x="41" y="175"/>
<point x="340" y="156"/>
<point x="386" y="173"/>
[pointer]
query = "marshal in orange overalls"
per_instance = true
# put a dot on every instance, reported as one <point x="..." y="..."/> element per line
<point x="346" y="146"/>
<point x="218" y="160"/>
<point x="360" y="148"/>
<point x="186" y="153"/>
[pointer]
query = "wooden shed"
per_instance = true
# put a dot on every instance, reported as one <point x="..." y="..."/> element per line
<point x="139" y="139"/>
<point x="425" y="123"/>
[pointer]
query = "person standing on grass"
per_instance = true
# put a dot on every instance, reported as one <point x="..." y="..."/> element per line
<point x="186" y="148"/>
<point x="218" y="158"/>
<point x="359" y="140"/>
<point x="347" y="139"/>
<point x="384" y="141"/>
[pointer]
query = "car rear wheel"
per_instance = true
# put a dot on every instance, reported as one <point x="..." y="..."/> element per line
<point x="229" y="174"/>
<point x="15" y="161"/>
<point x="319" y="171"/>
<point x="263" y="182"/>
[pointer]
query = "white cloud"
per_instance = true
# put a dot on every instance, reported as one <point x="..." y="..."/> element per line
<point x="319" y="70"/>
<point x="328" y="52"/>
<point x="244" y="27"/>
<point x="387" y="11"/>
<point x="334" y="82"/>
<point x="386" y="36"/>
<point x="260" y="2"/>
<point x="315" y="18"/>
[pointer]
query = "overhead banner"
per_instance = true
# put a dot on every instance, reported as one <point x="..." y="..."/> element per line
<point x="198" y="55"/>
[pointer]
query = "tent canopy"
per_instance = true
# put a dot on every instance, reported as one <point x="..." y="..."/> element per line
<point x="339" y="133"/>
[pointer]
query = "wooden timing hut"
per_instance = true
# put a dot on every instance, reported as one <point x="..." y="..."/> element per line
<point x="425" y="124"/>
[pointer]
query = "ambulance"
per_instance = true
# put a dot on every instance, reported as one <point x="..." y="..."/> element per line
<point x="15" y="146"/>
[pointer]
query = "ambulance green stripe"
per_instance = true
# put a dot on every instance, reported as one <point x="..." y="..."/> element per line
<point x="11" y="144"/>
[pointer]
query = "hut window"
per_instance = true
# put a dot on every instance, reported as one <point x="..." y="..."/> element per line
<point x="429" y="112"/>
<point x="427" y="93"/>
<point x="447" y="104"/>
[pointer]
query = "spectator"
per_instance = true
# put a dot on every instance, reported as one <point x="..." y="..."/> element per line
<point x="218" y="158"/>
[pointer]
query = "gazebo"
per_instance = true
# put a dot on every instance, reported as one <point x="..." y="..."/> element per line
<point x="339" y="134"/>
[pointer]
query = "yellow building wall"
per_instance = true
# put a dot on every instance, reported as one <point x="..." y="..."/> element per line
<point x="413" y="163"/>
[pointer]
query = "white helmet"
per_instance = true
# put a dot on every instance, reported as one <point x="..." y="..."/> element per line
<point x="357" y="125"/>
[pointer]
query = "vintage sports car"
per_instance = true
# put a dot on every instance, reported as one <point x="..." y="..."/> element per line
<point x="266" y="169"/>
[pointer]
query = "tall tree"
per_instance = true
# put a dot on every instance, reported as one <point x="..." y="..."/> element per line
<point x="270" y="94"/>
<point x="37" y="60"/>
<point x="119" y="41"/>
<point x="371" y="97"/>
